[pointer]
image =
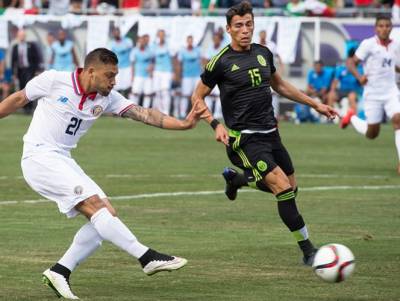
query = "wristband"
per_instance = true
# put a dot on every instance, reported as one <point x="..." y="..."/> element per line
<point x="214" y="123"/>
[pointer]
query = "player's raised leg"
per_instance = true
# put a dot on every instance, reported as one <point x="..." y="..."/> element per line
<point x="112" y="229"/>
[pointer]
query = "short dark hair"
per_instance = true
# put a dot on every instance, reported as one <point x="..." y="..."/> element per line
<point x="240" y="9"/>
<point x="100" y="55"/>
<point x="351" y="52"/>
<point x="382" y="17"/>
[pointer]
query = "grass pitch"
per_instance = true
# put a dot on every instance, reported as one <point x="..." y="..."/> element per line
<point x="349" y="194"/>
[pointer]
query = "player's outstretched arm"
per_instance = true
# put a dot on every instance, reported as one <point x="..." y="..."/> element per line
<point x="156" y="118"/>
<point x="198" y="96"/>
<point x="289" y="91"/>
<point x="12" y="103"/>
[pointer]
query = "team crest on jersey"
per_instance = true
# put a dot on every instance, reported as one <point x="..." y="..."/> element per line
<point x="97" y="110"/>
<point x="261" y="60"/>
<point x="78" y="190"/>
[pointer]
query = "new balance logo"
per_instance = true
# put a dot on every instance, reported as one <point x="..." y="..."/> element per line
<point x="235" y="67"/>
<point x="62" y="99"/>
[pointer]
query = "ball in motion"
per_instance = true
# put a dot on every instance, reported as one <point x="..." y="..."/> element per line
<point x="334" y="263"/>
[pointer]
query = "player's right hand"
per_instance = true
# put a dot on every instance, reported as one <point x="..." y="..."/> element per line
<point x="326" y="110"/>
<point x="221" y="134"/>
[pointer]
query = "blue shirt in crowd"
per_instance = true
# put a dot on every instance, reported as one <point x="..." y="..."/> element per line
<point x="162" y="58"/>
<point x="347" y="81"/>
<point x="142" y="60"/>
<point x="63" y="60"/>
<point x="191" y="62"/>
<point x="321" y="80"/>
<point x="122" y="49"/>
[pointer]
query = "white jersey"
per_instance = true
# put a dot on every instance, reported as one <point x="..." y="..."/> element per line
<point x="64" y="112"/>
<point x="379" y="66"/>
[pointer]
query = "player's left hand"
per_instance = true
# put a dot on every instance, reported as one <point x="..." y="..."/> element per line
<point x="195" y="114"/>
<point x="326" y="110"/>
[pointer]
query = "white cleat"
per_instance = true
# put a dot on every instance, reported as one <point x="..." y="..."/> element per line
<point x="59" y="284"/>
<point x="156" y="266"/>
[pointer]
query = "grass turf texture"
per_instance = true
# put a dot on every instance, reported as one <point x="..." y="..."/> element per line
<point x="236" y="250"/>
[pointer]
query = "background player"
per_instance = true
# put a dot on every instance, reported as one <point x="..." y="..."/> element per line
<point x="245" y="74"/>
<point x="122" y="47"/>
<point x="379" y="55"/>
<point x="68" y="106"/>
<point x="189" y="70"/>
<point x="143" y="65"/>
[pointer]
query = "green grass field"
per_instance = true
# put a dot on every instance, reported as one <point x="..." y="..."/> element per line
<point x="349" y="194"/>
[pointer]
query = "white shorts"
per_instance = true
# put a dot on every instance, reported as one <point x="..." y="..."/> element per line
<point x="142" y="85"/>
<point x="188" y="85"/>
<point x="375" y="107"/>
<point x="123" y="80"/>
<point x="59" y="178"/>
<point x="162" y="80"/>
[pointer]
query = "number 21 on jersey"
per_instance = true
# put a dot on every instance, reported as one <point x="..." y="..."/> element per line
<point x="255" y="77"/>
<point x="73" y="127"/>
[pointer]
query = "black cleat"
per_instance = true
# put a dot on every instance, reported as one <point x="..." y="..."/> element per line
<point x="230" y="188"/>
<point x="309" y="259"/>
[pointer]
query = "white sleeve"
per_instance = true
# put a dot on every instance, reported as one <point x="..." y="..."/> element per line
<point x="362" y="51"/>
<point x="40" y="86"/>
<point x="118" y="104"/>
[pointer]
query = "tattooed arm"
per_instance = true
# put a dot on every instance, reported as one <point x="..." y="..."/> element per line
<point x="156" y="118"/>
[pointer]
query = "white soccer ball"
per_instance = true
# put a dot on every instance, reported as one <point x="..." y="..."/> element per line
<point x="334" y="263"/>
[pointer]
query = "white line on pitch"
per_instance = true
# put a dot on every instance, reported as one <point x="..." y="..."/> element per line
<point x="328" y="176"/>
<point x="212" y="192"/>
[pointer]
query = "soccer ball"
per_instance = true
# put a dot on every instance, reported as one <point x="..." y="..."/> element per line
<point x="333" y="263"/>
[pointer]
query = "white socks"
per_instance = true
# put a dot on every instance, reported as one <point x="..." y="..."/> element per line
<point x="397" y="141"/>
<point x="360" y="125"/>
<point x="112" y="229"/>
<point x="85" y="242"/>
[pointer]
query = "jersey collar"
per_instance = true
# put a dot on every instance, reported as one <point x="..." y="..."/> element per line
<point x="79" y="90"/>
<point x="383" y="44"/>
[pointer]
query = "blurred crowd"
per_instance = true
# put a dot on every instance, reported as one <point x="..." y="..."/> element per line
<point x="153" y="75"/>
<point x="326" y="8"/>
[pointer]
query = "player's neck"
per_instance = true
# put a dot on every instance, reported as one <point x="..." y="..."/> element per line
<point x="84" y="83"/>
<point x="384" y="42"/>
<point x="239" y="48"/>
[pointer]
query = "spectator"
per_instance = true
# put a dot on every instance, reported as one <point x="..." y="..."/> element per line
<point x="122" y="47"/>
<point x="25" y="62"/>
<point x="188" y="70"/>
<point x="162" y="73"/>
<point x="64" y="57"/>
<point x="143" y="60"/>
<point x="318" y="82"/>
<point x="295" y="8"/>
<point x="345" y="85"/>
<point x="59" y="7"/>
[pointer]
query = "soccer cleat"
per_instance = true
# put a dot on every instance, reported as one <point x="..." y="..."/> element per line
<point x="347" y="118"/>
<point x="168" y="263"/>
<point x="230" y="188"/>
<point x="59" y="284"/>
<point x="309" y="259"/>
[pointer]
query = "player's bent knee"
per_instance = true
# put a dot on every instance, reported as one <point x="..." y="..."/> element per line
<point x="396" y="121"/>
<point x="90" y="206"/>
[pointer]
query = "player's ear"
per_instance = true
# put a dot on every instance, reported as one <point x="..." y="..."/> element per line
<point x="228" y="28"/>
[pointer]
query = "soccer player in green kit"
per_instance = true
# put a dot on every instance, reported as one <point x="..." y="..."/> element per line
<point x="245" y="73"/>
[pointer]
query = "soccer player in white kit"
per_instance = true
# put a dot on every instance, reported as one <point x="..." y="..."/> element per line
<point x="379" y="55"/>
<point x="68" y="105"/>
